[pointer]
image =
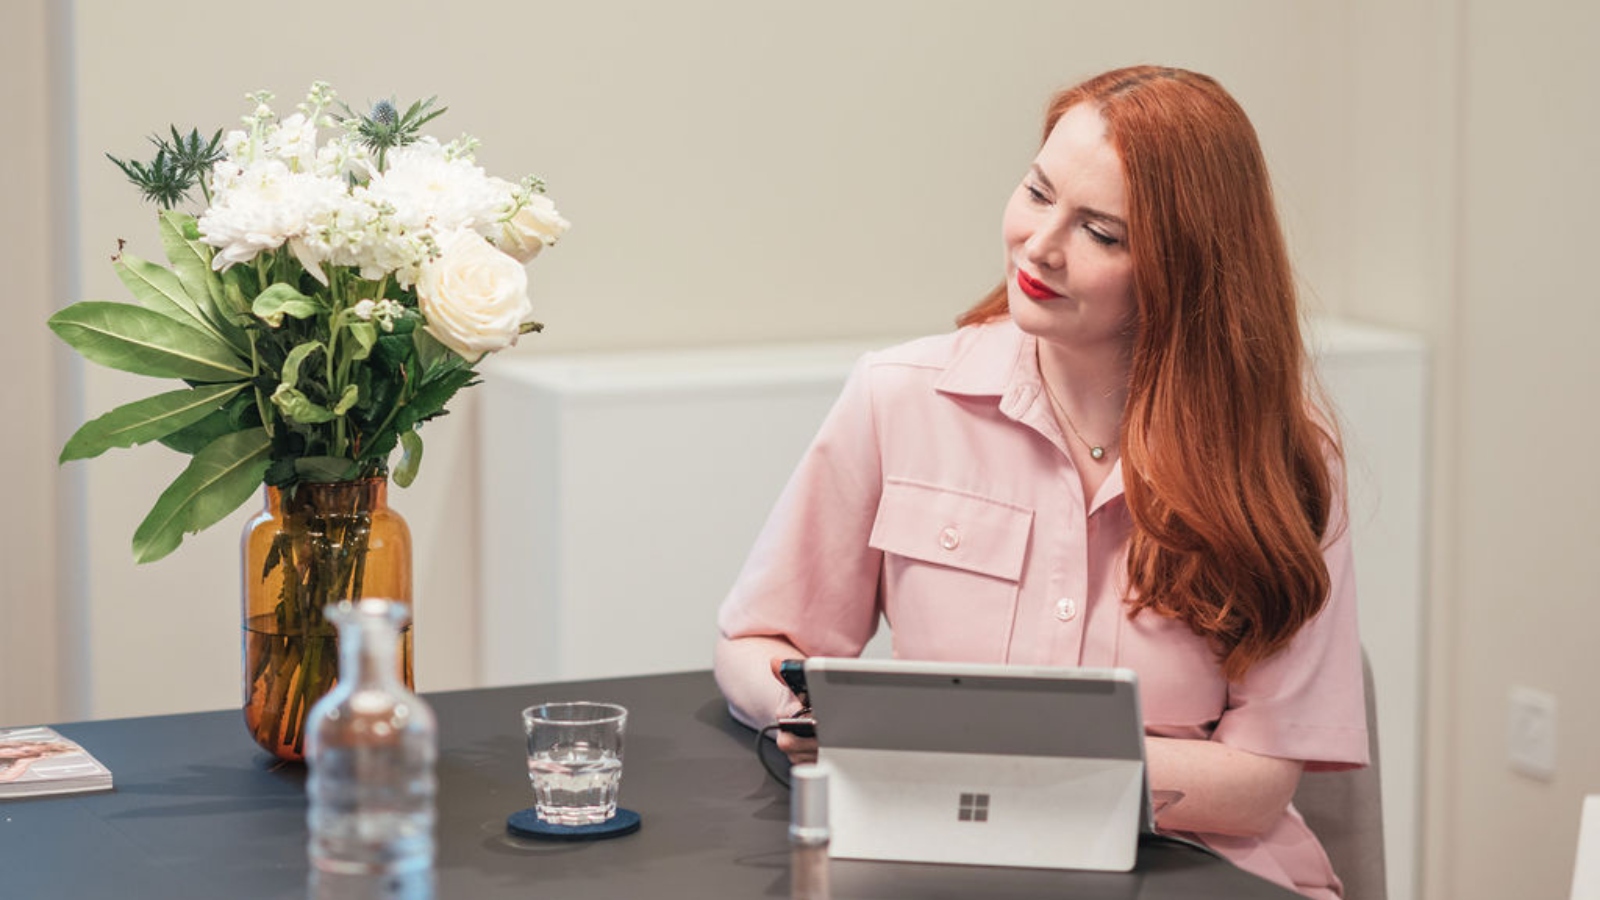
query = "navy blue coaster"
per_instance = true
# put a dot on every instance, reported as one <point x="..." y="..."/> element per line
<point x="526" y="823"/>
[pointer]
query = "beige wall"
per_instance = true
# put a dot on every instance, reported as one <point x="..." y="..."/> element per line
<point x="1524" y="489"/>
<point x="29" y="687"/>
<point x="742" y="172"/>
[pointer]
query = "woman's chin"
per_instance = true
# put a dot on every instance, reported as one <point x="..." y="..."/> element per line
<point x="1040" y="318"/>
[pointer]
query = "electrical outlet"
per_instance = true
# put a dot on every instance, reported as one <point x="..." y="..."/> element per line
<point x="1531" y="733"/>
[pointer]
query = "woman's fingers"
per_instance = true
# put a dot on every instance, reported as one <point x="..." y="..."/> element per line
<point x="798" y="749"/>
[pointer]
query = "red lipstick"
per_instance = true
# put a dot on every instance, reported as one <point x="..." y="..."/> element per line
<point x="1033" y="287"/>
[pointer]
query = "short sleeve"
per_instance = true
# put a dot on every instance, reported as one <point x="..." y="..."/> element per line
<point x="1308" y="702"/>
<point x="811" y="577"/>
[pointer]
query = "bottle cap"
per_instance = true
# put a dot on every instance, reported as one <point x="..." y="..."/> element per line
<point x="808" y="804"/>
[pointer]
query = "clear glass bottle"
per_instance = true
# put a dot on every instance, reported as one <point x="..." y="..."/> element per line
<point x="371" y="745"/>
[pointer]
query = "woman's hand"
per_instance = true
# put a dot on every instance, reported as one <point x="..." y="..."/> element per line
<point x="798" y="749"/>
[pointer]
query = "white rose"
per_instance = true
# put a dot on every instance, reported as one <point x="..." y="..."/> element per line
<point x="474" y="297"/>
<point x="535" y="226"/>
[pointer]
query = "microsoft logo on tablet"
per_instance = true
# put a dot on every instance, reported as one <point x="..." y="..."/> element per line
<point x="973" y="808"/>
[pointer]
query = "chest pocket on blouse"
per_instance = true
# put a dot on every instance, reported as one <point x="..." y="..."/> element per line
<point x="952" y="561"/>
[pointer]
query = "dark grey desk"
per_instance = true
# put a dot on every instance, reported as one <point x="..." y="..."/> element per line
<point x="198" y="812"/>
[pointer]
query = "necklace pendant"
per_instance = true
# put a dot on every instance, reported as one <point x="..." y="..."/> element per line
<point x="1097" y="452"/>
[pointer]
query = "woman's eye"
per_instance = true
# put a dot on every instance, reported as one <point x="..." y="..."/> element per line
<point x="1035" y="194"/>
<point x="1102" y="237"/>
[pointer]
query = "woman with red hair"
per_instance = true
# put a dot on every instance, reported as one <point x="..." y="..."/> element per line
<point x="1115" y="461"/>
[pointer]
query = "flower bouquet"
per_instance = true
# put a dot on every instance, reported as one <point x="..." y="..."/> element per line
<point x="331" y="297"/>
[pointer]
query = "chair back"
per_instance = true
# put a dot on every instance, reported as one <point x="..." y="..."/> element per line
<point x="1345" y="812"/>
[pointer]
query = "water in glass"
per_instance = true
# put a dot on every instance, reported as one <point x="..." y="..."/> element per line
<point x="575" y="783"/>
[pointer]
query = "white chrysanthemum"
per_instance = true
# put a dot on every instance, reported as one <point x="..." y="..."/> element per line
<point x="431" y="191"/>
<point x="264" y="206"/>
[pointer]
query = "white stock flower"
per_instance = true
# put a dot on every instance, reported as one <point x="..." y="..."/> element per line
<point x="344" y="157"/>
<point x="341" y="231"/>
<point x="474" y="297"/>
<point x="261" y="208"/>
<point x="388" y="313"/>
<point x="428" y="190"/>
<point x="535" y="225"/>
<point x="294" y="141"/>
<point x="236" y="144"/>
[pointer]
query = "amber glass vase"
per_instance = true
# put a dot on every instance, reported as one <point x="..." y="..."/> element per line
<point x="321" y="545"/>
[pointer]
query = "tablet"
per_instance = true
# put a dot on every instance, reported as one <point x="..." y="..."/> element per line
<point x="981" y="764"/>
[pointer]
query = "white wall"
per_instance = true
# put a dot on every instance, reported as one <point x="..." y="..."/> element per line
<point x="743" y="172"/>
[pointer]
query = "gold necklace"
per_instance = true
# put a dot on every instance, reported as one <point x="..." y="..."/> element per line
<point x="1097" y="451"/>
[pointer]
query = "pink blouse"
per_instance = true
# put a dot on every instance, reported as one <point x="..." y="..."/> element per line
<point x="939" y="494"/>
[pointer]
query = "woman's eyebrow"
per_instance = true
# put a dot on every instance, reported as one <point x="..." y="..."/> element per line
<point x="1093" y="213"/>
<point x="1088" y="211"/>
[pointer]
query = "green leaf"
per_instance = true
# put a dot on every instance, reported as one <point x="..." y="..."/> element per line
<point x="297" y="408"/>
<point x="146" y="420"/>
<point x="381" y="446"/>
<point x="394" y="350"/>
<point x="236" y="294"/>
<point x="325" y="468"/>
<point x="217" y="481"/>
<point x="432" y="397"/>
<point x="410" y="458"/>
<point x="159" y="289"/>
<point x="194" y="438"/>
<point x="347" y="399"/>
<point x="280" y="300"/>
<point x="191" y="262"/>
<point x="135" y="339"/>
<point x="281" y="473"/>
<point x="366" y="335"/>
<point x="431" y="353"/>
<point x="291" y="364"/>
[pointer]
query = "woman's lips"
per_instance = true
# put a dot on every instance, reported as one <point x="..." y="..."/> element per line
<point x="1033" y="287"/>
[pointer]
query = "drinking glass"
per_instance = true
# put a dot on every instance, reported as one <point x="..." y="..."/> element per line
<point x="575" y="760"/>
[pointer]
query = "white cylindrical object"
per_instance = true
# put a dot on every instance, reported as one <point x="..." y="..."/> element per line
<point x="808" y="804"/>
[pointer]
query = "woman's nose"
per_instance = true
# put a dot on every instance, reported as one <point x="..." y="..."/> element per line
<point x="1046" y="247"/>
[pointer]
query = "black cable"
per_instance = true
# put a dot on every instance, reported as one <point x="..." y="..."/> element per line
<point x="1164" y="838"/>
<point x="761" y="754"/>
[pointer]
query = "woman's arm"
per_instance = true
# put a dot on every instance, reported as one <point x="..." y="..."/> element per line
<point x="743" y="667"/>
<point x="811" y="580"/>
<point x="746" y="670"/>
<point x="1313" y="685"/>
<point x="1221" y="790"/>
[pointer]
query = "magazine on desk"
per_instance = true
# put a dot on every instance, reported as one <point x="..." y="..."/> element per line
<point x="35" y="762"/>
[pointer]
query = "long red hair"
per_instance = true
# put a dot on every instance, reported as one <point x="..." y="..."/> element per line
<point x="1225" y="461"/>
